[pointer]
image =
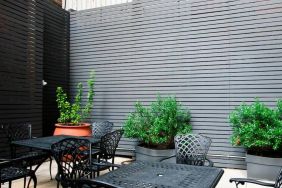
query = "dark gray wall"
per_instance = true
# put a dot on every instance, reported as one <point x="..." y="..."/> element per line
<point x="211" y="55"/>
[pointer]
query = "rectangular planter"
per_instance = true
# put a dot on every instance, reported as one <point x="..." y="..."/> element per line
<point x="263" y="167"/>
<point x="147" y="154"/>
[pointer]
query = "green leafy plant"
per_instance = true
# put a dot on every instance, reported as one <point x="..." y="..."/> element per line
<point x="157" y="124"/>
<point x="258" y="128"/>
<point x="73" y="114"/>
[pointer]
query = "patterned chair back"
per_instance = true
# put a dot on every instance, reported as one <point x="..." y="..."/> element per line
<point x="191" y="149"/>
<point x="109" y="144"/>
<point x="73" y="158"/>
<point x="278" y="182"/>
<point x="99" y="129"/>
<point x="14" y="132"/>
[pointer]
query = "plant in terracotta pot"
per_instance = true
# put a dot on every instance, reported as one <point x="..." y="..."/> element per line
<point x="155" y="126"/>
<point x="258" y="128"/>
<point x="72" y="114"/>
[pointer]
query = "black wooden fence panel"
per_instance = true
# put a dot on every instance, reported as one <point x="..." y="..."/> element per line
<point x="56" y="58"/>
<point x="29" y="41"/>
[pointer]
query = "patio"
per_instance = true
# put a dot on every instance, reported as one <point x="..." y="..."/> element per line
<point x="212" y="56"/>
<point x="45" y="182"/>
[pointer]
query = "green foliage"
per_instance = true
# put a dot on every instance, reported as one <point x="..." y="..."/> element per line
<point x="72" y="114"/>
<point x="157" y="125"/>
<point x="257" y="127"/>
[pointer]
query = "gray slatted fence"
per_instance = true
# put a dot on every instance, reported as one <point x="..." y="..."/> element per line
<point x="211" y="55"/>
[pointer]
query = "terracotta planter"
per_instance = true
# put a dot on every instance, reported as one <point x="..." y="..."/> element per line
<point x="74" y="130"/>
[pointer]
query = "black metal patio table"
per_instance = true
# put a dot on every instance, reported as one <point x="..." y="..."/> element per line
<point x="161" y="175"/>
<point x="45" y="143"/>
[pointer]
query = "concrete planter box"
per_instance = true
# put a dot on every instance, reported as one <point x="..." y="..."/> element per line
<point x="146" y="154"/>
<point x="263" y="167"/>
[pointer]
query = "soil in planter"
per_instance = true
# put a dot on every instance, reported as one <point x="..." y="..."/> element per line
<point x="265" y="152"/>
<point x="158" y="146"/>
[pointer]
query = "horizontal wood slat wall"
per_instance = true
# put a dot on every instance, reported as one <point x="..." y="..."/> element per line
<point x="211" y="55"/>
<point x="29" y="37"/>
<point x="21" y="59"/>
<point x="56" y="61"/>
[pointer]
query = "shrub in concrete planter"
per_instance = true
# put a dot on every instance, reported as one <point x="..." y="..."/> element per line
<point x="155" y="126"/>
<point x="263" y="167"/>
<point x="150" y="154"/>
<point x="258" y="128"/>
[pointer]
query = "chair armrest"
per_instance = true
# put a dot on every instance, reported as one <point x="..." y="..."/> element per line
<point x="95" y="151"/>
<point x="165" y="158"/>
<point x="4" y="159"/>
<point x="106" y="164"/>
<point x="20" y="162"/>
<point x="242" y="181"/>
<point x="210" y="163"/>
<point x="127" y="162"/>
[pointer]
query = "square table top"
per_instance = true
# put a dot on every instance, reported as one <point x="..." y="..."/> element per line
<point x="162" y="175"/>
<point x="45" y="143"/>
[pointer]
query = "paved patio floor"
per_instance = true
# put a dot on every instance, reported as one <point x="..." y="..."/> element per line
<point x="44" y="181"/>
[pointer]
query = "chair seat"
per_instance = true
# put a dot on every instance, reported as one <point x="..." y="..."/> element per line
<point x="39" y="157"/>
<point x="101" y="165"/>
<point x="95" y="152"/>
<point x="13" y="173"/>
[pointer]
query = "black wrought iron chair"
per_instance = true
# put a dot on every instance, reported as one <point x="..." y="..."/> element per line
<point x="73" y="158"/>
<point x="13" y="169"/>
<point x="99" y="129"/>
<point x="20" y="131"/>
<point x="108" y="145"/>
<point x="191" y="149"/>
<point x="242" y="181"/>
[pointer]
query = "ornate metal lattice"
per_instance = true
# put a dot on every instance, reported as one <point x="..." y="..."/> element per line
<point x="109" y="144"/>
<point x="21" y="131"/>
<point x="17" y="131"/>
<point x="191" y="149"/>
<point x="73" y="158"/>
<point x="17" y="168"/>
<point x="278" y="182"/>
<point x="141" y="174"/>
<point x="99" y="129"/>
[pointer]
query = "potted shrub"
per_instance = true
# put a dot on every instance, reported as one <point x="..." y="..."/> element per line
<point x="258" y="128"/>
<point x="155" y="127"/>
<point x="72" y="114"/>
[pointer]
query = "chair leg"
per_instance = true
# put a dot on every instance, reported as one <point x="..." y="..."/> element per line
<point x="29" y="178"/>
<point x="98" y="168"/>
<point x="50" y="167"/>
<point x="33" y="177"/>
<point x="34" y="171"/>
<point x="24" y="182"/>
<point x="113" y="162"/>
